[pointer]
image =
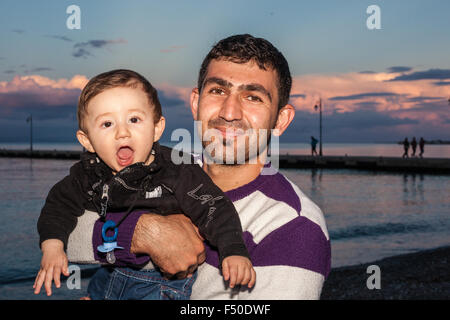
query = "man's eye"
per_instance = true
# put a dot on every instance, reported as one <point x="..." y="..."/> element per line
<point x="254" y="98"/>
<point x="106" y="124"/>
<point x="216" y="91"/>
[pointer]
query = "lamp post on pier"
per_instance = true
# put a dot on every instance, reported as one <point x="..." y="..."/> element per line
<point x="320" y="124"/>
<point x="30" y="120"/>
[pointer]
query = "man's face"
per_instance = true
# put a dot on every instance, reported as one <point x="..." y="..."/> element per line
<point x="120" y="127"/>
<point x="237" y="100"/>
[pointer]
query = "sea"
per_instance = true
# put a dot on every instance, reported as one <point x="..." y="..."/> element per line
<point x="329" y="149"/>
<point x="370" y="215"/>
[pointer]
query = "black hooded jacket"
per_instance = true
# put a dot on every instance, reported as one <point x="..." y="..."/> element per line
<point x="162" y="187"/>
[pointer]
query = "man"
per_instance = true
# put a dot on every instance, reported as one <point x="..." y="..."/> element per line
<point x="413" y="147"/>
<point x="405" y="148"/>
<point x="421" y="146"/>
<point x="313" y="146"/>
<point x="243" y="89"/>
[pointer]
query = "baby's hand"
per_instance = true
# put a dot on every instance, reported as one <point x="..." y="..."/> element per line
<point x="238" y="270"/>
<point x="54" y="261"/>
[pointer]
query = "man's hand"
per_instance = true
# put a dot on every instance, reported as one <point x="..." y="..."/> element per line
<point x="172" y="242"/>
<point x="53" y="263"/>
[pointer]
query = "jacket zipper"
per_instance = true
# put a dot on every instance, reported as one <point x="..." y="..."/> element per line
<point x="104" y="202"/>
<point x="125" y="185"/>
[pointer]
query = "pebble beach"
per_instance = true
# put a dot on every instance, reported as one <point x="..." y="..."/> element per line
<point x="423" y="275"/>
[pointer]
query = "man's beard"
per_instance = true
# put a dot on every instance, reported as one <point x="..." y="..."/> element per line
<point x="243" y="145"/>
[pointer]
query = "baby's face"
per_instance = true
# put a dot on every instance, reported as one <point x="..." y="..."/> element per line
<point x="120" y="127"/>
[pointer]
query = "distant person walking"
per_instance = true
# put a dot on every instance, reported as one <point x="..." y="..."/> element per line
<point x="313" y="146"/>
<point x="406" y="148"/>
<point x="413" y="146"/>
<point x="421" y="146"/>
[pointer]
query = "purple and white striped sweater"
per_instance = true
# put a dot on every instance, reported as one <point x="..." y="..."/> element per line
<point x="288" y="242"/>
<point x="285" y="233"/>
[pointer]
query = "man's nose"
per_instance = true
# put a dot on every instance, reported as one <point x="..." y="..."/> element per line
<point x="231" y="108"/>
<point x="122" y="131"/>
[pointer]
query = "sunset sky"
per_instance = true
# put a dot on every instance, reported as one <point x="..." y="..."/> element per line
<point x="376" y="85"/>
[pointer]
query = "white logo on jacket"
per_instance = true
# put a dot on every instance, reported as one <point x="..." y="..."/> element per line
<point x="156" y="193"/>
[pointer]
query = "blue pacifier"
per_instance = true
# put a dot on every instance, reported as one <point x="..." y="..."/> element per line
<point x="109" y="243"/>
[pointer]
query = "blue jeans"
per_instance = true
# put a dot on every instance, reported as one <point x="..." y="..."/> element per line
<point x="130" y="284"/>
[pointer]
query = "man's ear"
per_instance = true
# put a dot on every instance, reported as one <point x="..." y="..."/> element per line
<point x="285" y="117"/>
<point x="195" y="96"/>
<point x="84" y="140"/>
<point x="159" y="128"/>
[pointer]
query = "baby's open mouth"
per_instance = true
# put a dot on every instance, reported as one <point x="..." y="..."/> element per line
<point x="125" y="156"/>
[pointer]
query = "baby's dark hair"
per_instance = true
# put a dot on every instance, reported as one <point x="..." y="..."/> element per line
<point x="114" y="79"/>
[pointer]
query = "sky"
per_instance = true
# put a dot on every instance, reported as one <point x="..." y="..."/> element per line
<point x="376" y="85"/>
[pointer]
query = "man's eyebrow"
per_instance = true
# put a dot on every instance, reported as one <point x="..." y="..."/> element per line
<point x="244" y="87"/>
<point x="219" y="81"/>
<point x="255" y="87"/>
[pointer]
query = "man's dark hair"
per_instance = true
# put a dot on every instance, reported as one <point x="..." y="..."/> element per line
<point x="243" y="48"/>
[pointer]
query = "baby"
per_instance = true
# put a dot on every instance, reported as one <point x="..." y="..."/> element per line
<point x="125" y="169"/>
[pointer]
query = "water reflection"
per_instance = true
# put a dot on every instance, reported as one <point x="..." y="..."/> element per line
<point x="317" y="189"/>
<point x="314" y="177"/>
<point x="413" y="189"/>
<point x="370" y="215"/>
<point x="30" y="167"/>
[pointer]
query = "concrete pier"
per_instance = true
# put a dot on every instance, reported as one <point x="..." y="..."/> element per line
<point x="422" y="165"/>
<point x="40" y="154"/>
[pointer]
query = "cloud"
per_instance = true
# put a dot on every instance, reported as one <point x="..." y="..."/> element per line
<point x="358" y="126"/>
<point x="297" y="95"/>
<point x="363" y="95"/>
<point x="178" y="95"/>
<point x="429" y="114"/>
<point x="32" y="70"/>
<point x="364" y="119"/>
<point x="83" y="49"/>
<point x="63" y="38"/>
<point x="356" y="106"/>
<point x="422" y="99"/>
<point x="341" y="91"/>
<point x="442" y="83"/>
<point x="366" y="105"/>
<point x="53" y="104"/>
<point x="367" y="72"/>
<point x="36" y="82"/>
<point x="18" y="31"/>
<point x="436" y="74"/>
<point x="168" y="101"/>
<point x="81" y="53"/>
<point x="50" y="98"/>
<point x="38" y="69"/>
<point x="39" y="93"/>
<point x="398" y="69"/>
<point x="368" y="102"/>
